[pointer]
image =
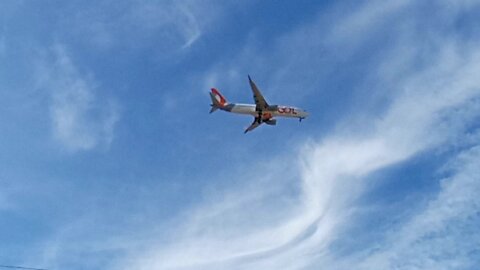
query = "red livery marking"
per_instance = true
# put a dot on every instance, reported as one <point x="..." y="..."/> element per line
<point x="287" y="110"/>
<point x="219" y="97"/>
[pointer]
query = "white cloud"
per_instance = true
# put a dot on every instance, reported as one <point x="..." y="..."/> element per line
<point x="441" y="236"/>
<point x="279" y="219"/>
<point x="363" y="20"/>
<point x="80" y="119"/>
<point x="165" y="25"/>
<point x="421" y="117"/>
<point x="172" y="20"/>
<point x="332" y="177"/>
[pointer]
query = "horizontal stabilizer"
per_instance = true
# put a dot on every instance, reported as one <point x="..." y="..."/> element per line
<point x="214" y="108"/>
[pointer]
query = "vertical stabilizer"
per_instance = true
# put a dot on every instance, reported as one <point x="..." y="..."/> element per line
<point x="218" y="101"/>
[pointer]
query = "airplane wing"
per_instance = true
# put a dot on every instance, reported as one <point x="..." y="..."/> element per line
<point x="254" y="125"/>
<point x="257" y="96"/>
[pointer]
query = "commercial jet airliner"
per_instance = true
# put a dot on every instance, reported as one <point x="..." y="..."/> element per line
<point x="261" y="110"/>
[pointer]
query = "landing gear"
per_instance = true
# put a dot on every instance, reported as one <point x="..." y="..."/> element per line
<point x="259" y="118"/>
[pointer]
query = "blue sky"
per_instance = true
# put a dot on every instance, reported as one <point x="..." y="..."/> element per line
<point x="110" y="160"/>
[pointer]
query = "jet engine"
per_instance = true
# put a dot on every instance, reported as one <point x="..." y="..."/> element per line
<point x="271" y="122"/>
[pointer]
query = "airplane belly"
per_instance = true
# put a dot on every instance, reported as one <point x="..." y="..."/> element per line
<point x="286" y="111"/>
<point x="276" y="113"/>
<point x="244" y="109"/>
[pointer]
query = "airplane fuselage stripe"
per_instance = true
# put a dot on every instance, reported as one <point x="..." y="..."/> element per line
<point x="250" y="109"/>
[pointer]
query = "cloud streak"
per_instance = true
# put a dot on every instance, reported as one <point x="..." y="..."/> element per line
<point x="80" y="119"/>
<point x="168" y="25"/>
<point x="334" y="173"/>
<point x="441" y="236"/>
<point x="290" y="218"/>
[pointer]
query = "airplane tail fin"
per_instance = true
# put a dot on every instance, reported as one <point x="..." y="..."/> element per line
<point x="218" y="101"/>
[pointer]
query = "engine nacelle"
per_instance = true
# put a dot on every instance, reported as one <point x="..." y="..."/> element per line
<point x="271" y="122"/>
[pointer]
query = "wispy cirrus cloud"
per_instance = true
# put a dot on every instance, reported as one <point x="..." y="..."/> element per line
<point x="289" y="217"/>
<point x="421" y="116"/>
<point x="80" y="118"/>
<point x="174" y="20"/>
<point x="166" y="25"/>
<point x="440" y="236"/>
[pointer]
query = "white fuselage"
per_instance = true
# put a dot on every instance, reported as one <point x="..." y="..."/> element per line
<point x="273" y="111"/>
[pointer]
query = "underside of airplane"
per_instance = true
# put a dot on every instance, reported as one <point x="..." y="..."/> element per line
<point x="261" y="110"/>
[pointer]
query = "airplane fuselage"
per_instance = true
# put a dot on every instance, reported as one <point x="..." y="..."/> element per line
<point x="271" y="111"/>
<point x="261" y="110"/>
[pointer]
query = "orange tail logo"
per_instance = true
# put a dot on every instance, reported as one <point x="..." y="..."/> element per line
<point x="221" y="100"/>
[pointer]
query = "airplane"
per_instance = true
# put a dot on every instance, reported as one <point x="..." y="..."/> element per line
<point x="261" y="110"/>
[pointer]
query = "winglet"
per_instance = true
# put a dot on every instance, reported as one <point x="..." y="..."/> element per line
<point x="255" y="124"/>
<point x="250" y="80"/>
